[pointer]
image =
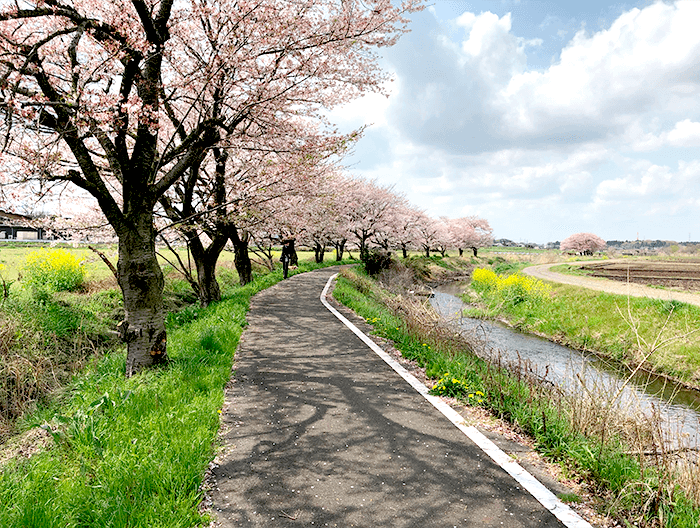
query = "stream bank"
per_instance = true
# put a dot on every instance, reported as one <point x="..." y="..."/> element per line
<point x="572" y="370"/>
<point x="656" y="335"/>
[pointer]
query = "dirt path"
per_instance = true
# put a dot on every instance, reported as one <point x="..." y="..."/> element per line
<point x="544" y="272"/>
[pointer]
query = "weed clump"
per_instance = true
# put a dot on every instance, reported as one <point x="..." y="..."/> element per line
<point x="375" y="261"/>
<point x="449" y="385"/>
<point x="52" y="270"/>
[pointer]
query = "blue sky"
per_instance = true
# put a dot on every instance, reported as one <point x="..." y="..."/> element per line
<point x="546" y="118"/>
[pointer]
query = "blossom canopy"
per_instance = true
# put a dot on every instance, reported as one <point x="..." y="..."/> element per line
<point x="583" y="243"/>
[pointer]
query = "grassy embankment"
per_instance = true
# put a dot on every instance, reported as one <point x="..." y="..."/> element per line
<point x="660" y="335"/>
<point x="584" y="434"/>
<point x="121" y="452"/>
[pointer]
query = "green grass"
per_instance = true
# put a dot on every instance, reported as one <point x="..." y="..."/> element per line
<point x="605" y="464"/>
<point x="44" y="341"/>
<point x="571" y="269"/>
<point x="133" y="452"/>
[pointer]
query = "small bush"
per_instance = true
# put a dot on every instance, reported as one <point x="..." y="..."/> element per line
<point x="52" y="270"/>
<point x="505" y="268"/>
<point x="667" y="307"/>
<point x="375" y="261"/>
<point x="512" y="289"/>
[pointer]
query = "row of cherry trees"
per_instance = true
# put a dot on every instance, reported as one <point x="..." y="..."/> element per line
<point x="317" y="206"/>
<point x="188" y="112"/>
<point x="342" y="212"/>
<point x="201" y="121"/>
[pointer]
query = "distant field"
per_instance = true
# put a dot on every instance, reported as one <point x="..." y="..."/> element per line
<point x="13" y="255"/>
<point x="499" y="249"/>
<point x="683" y="274"/>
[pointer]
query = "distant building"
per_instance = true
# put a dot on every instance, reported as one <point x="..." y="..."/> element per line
<point x="18" y="227"/>
<point x="504" y="242"/>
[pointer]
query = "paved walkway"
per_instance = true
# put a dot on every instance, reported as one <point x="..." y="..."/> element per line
<point x="543" y="271"/>
<point x="319" y="431"/>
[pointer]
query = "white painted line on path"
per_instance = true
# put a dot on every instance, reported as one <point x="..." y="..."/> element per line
<point x="550" y="501"/>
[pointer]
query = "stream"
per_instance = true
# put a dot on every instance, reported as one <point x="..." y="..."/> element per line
<point x="678" y="407"/>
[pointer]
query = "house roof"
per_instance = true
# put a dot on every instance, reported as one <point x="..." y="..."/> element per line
<point x="15" y="219"/>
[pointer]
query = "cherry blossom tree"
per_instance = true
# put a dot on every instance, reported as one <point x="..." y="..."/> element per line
<point x="339" y="211"/>
<point x="407" y="233"/>
<point x="275" y="221"/>
<point x="82" y="86"/>
<point x="583" y="243"/>
<point x="369" y="207"/>
<point x="124" y="98"/>
<point x="393" y="224"/>
<point x="291" y="183"/>
<point x="443" y="236"/>
<point x="318" y="226"/>
<point x="321" y="215"/>
<point x="428" y="233"/>
<point x="241" y="197"/>
<point x="470" y="232"/>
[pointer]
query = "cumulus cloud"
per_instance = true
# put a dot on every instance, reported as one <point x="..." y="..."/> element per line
<point x="477" y="94"/>
<point x="686" y="133"/>
<point x="601" y="140"/>
<point x="444" y="88"/>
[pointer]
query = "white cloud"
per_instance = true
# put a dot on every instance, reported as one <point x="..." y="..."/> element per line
<point x="367" y="110"/>
<point x="603" y="79"/>
<point x="466" y="20"/>
<point x="686" y="133"/>
<point x="478" y="94"/>
<point x="589" y="143"/>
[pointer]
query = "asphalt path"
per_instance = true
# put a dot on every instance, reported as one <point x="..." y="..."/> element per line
<point x="318" y="430"/>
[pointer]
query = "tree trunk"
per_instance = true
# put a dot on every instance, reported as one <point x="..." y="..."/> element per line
<point x="339" y="250"/>
<point x="427" y="251"/>
<point x="319" y="252"/>
<point x="475" y="251"/>
<point x="461" y="252"/>
<point x="205" y="259"/>
<point x="404" y="250"/>
<point x="241" y="257"/>
<point x="209" y="290"/>
<point x="141" y="281"/>
<point x="363" y="250"/>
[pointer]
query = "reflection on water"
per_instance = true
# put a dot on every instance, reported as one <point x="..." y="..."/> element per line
<point x="563" y="366"/>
